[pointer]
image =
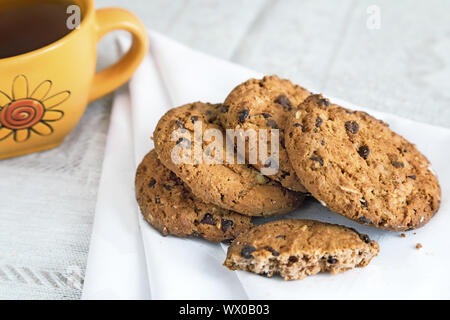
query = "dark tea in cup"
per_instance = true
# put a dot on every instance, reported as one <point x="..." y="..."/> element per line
<point x="29" y="25"/>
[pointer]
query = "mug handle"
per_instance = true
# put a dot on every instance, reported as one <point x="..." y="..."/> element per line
<point x="110" y="19"/>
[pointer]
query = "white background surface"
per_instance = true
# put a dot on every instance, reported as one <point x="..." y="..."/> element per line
<point x="47" y="200"/>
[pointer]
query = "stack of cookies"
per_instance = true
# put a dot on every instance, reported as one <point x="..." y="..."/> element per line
<point x="349" y="161"/>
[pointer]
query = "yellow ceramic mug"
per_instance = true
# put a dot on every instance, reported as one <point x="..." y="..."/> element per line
<point x="43" y="93"/>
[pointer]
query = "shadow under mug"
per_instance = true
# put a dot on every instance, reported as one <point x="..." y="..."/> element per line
<point x="44" y="93"/>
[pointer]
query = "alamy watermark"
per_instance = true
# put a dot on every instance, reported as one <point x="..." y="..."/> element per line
<point x="212" y="146"/>
<point x="74" y="19"/>
<point x="373" y="21"/>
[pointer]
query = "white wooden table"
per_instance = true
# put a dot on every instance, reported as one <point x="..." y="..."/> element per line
<point x="400" y="65"/>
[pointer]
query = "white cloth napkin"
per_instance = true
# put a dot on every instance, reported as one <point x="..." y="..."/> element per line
<point x="116" y="265"/>
<point x="192" y="269"/>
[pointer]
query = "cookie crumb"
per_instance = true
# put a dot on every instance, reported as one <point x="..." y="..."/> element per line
<point x="418" y="246"/>
<point x="403" y="235"/>
<point x="260" y="179"/>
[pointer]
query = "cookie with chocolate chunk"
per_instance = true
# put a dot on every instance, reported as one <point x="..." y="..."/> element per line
<point x="266" y="104"/>
<point x="171" y="208"/>
<point x="206" y="168"/>
<point x="297" y="248"/>
<point x="358" y="167"/>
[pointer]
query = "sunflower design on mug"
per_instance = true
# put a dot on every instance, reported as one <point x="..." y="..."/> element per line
<point x="24" y="113"/>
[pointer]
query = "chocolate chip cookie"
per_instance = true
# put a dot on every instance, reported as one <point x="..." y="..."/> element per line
<point x="297" y="248"/>
<point x="358" y="167"/>
<point x="171" y="208"/>
<point x="201" y="162"/>
<point x="266" y="104"/>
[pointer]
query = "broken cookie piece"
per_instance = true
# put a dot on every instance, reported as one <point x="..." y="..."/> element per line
<point x="307" y="247"/>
